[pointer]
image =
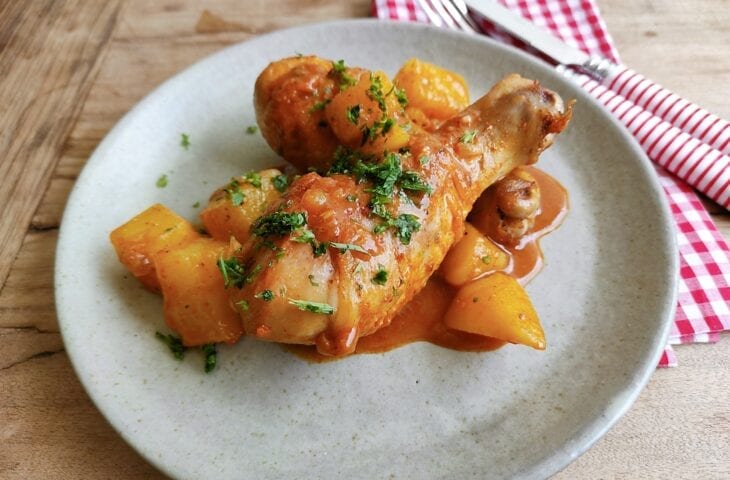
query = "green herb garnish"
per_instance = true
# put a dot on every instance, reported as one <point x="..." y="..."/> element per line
<point x="400" y="94"/>
<point x="174" y="343"/>
<point x="424" y="160"/>
<point x="375" y="92"/>
<point x="319" y="105"/>
<point x="344" y="247"/>
<point x="185" y="140"/>
<point x="251" y="129"/>
<point x="381" y="276"/>
<point x="278" y="224"/>
<point x="313" y="307"/>
<point x="353" y="114"/>
<point x="468" y="136"/>
<point x="243" y="305"/>
<point x="211" y="356"/>
<point x="162" y="181"/>
<point x="232" y="271"/>
<point x="280" y="182"/>
<point x="254" y="178"/>
<point x="196" y="205"/>
<point x="265" y="295"/>
<point x="340" y="70"/>
<point x="485" y="259"/>
<point x="234" y="192"/>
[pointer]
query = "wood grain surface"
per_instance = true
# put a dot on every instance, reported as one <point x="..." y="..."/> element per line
<point x="70" y="69"/>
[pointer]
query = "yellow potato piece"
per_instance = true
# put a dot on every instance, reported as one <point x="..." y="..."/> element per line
<point x="471" y="257"/>
<point x="496" y="306"/>
<point x="354" y="110"/>
<point x="196" y="304"/>
<point x="139" y="240"/>
<point x="436" y="92"/>
<point x="233" y="208"/>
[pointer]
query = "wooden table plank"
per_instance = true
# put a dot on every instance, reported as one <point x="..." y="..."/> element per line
<point x="52" y="428"/>
<point x="42" y="93"/>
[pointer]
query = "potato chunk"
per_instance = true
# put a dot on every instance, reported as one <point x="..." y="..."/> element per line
<point x="138" y="241"/>
<point x="358" y="120"/>
<point x="196" y="304"/>
<point x="496" y="306"/>
<point x="472" y="256"/>
<point x="233" y="208"/>
<point x="433" y="92"/>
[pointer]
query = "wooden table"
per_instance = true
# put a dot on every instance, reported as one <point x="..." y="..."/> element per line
<point x="70" y="69"/>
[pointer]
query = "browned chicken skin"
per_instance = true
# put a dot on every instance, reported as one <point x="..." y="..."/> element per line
<point x="330" y="300"/>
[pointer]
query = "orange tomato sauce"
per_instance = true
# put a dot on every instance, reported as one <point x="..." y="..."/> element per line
<point x="421" y="319"/>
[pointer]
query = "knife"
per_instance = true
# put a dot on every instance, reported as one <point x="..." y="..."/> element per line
<point x="660" y="102"/>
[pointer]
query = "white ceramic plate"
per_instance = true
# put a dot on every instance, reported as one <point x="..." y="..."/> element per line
<point x="605" y="297"/>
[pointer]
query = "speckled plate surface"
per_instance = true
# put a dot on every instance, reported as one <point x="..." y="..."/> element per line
<point x="605" y="297"/>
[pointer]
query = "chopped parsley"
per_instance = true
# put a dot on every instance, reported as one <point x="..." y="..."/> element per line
<point x="381" y="276"/>
<point x="280" y="182"/>
<point x="251" y="129"/>
<point x="353" y="113"/>
<point x="162" y="181"/>
<point x="319" y="249"/>
<point x="174" y="343"/>
<point x="340" y="70"/>
<point x="400" y="95"/>
<point x="232" y="271"/>
<point x="313" y="307"/>
<point x="234" y="192"/>
<point x="243" y="305"/>
<point x="211" y="356"/>
<point x="485" y="259"/>
<point x="278" y="224"/>
<point x="311" y="280"/>
<point x="344" y="247"/>
<point x="319" y="105"/>
<point x="254" y="178"/>
<point x="351" y="198"/>
<point x="306" y="236"/>
<point x="468" y="136"/>
<point x="185" y="140"/>
<point x="404" y="225"/>
<point x="265" y="295"/>
<point x="381" y="126"/>
<point x="424" y="160"/>
<point x="196" y="204"/>
<point x="385" y="177"/>
<point x="410" y="180"/>
<point x="375" y="92"/>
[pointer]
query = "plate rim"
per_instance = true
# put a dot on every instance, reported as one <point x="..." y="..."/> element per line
<point x="584" y="438"/>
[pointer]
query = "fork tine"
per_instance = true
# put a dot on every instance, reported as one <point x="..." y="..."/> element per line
<point x="434" y="17"/>
<point x="444" y="15"/>
<point x="463" y="11"/>
<point x="456" y="16"/>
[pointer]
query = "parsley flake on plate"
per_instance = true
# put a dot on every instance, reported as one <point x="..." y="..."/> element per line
<point x="174" y="344"/>
<point x="161" y="181"/>
<point x="185" y="140"/>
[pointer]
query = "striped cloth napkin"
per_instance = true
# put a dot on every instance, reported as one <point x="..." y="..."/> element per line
<point x="704" y="289"/>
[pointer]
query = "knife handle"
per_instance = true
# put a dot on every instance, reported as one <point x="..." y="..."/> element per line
<point x="672" y="108"/>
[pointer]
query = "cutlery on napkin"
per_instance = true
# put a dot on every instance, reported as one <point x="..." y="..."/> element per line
<point x="704" y="288"/>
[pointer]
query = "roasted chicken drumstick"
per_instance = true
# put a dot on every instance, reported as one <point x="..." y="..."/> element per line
<point x="341" y="253"/>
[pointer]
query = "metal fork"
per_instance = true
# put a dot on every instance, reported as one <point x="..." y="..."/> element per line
<point x="452" y="14"/>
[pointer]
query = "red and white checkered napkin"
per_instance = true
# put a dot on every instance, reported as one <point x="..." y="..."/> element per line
<point x="704" y="288"/>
